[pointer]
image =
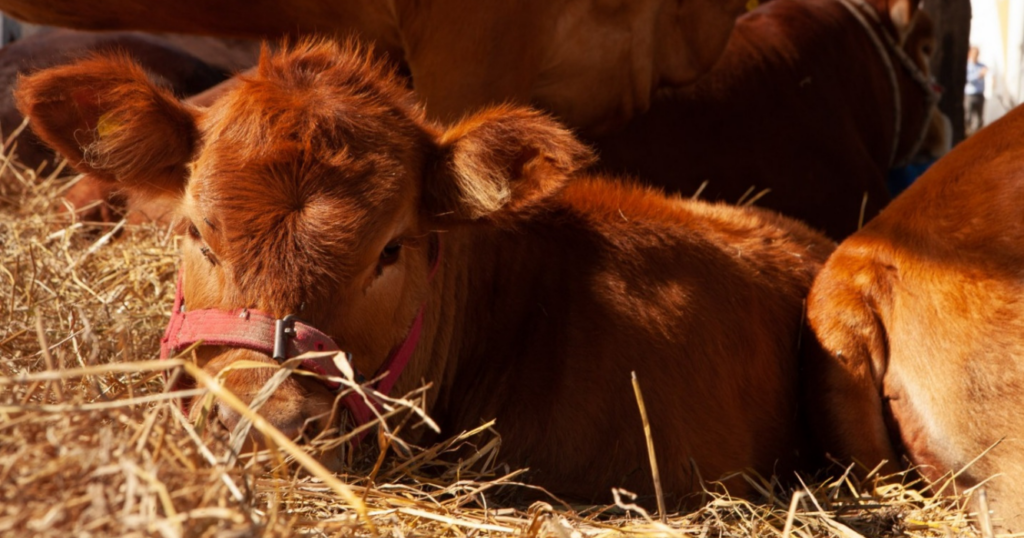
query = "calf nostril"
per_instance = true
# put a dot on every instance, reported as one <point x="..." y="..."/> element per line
<point x="290" y="426"/>
<point x="227" y="416"/>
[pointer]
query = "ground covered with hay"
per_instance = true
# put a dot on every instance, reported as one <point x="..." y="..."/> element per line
<point x="92" y="444"/>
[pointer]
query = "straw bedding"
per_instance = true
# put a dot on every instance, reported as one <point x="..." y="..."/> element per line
<point x="92" y="445"/>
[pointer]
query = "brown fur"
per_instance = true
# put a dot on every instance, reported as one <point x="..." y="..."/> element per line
<point x="594" y="63"/>
<point x="105" y="111"/>
<point x="553" y="284"/>
<point x="920" y="313"/>
<point x="799" y="103"/>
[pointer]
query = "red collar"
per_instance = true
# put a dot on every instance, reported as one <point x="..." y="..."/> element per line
<point x="285" y="338"/>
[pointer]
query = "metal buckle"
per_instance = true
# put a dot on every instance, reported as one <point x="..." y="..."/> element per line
<point x="283" y="330"/>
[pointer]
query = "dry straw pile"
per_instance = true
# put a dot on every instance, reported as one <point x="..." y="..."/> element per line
<point x="92" y="445"/>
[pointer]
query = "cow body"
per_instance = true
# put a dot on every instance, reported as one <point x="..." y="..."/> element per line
<point x="920" y="315"/>
<point x="800" y="104"/>
<point x="593" y="63"/>
<point x="607" y="296"/>
<point x="319" y="186"/>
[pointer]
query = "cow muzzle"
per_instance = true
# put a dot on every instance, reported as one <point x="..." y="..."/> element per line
<point x="283" y="339"/>
<point x="290" y="337"/>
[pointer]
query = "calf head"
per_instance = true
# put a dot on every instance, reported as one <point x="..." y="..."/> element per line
<point x="315" y="187"/>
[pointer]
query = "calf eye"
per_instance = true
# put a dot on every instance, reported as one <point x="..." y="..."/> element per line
<point x="390" y="253"/>
<point x="193" y="232"/>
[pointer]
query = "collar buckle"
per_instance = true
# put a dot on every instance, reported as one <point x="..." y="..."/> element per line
<point x="284" y="329"/>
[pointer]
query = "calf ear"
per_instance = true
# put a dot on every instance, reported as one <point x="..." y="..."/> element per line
<point x="498" y="164"/>
<point x="111" y="121"/>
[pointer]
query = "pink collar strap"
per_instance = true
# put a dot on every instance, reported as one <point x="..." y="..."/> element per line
<point x="285" y="338"/>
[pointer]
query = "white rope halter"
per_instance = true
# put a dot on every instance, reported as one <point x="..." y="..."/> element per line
<point x="859" y="9"/>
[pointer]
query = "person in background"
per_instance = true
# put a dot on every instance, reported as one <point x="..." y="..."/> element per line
<point x="974" y="92"/>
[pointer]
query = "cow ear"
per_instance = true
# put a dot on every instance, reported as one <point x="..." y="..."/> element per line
<point x="109" y="120"/>
<point x="498" y="164"/>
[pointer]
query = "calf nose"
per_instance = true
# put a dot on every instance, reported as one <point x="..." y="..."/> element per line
<point x="227" y="416"/>
<point x="290" y="425"/>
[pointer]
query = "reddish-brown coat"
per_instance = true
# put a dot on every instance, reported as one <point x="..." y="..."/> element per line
<point x="594" y="63"/>
<point x="93" y="199"/>
<point x="921" y="317"/>
<point x="553" y="285"/>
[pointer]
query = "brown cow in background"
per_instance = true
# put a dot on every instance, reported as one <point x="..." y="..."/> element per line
<point x="318" y="187"/>
<point x="593" y="63"/>
<point x="922" y="316"/>
<point x="800" y="103"/>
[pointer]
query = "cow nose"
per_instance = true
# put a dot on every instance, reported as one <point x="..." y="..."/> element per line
<point x="229" y="418"/>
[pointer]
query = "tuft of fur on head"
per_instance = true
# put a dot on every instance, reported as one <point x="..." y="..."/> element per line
<point x="308" y="92"/>
<point x="109" y="119"/>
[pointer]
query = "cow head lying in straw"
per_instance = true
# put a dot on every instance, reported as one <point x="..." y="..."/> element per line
<point x="317" y="188"/>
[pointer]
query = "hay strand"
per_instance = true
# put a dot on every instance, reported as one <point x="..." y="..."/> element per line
<point x="659" y="494"/>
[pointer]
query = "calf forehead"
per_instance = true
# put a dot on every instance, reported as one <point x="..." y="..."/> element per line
<point x="323" y="97"/>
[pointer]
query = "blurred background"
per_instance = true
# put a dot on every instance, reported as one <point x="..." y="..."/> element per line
<point x="997" y="29"/>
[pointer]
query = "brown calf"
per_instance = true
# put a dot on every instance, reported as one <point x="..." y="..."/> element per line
<point x="804" y="102"/>
<point x="318" y="187"/>
<point x="921" y="315"/>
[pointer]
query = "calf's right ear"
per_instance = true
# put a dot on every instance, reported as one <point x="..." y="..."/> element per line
<point x="499" y="164"/>
<point x="109" y="120"/>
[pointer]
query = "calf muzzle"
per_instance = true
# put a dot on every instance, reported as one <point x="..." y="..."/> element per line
<point x="286" y="338"/>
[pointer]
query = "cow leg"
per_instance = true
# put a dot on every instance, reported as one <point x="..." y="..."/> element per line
<point x="95" y="200"/>
<point x="842" y="377"/>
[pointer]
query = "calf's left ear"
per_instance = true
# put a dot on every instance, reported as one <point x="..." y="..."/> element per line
<point x="496" y="165"/>
<point x="109" y="120"/>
